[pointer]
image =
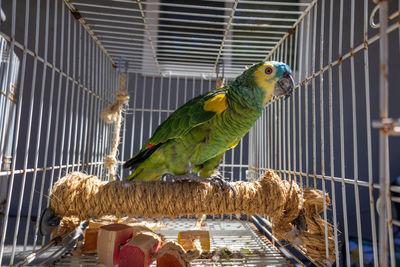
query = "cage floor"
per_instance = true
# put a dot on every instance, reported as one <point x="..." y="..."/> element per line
<point x="234" y="235"/>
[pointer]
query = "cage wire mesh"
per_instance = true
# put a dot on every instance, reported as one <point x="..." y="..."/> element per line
<point x="59" y="69"/>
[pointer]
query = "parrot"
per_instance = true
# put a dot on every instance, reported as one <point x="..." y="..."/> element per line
<point x="194" y="138"/>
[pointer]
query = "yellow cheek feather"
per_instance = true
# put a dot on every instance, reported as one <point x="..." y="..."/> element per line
<point x="266" y="82"/>
<point x="216" y="104"/>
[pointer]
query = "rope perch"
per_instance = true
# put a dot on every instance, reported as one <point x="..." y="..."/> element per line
<point x="85" y="197"/>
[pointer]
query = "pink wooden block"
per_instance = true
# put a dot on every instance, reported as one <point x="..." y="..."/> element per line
<point x="109" y="240"/>
<point x="139" y="251"/>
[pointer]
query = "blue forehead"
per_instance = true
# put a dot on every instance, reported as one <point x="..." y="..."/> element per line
<point x="282" y="68"/>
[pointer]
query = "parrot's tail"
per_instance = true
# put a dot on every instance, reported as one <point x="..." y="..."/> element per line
<point x="148" y="165"/>
<point x="140" y="157"/>
<point x="146" y="173"/>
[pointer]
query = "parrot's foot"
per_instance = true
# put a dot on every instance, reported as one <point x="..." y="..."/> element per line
<point x="215" y="179"/>
<point x="186" y="177"/>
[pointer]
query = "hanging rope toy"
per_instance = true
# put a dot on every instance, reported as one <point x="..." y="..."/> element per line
<point x="113" y="114"/>
<point x="294" y="211"/>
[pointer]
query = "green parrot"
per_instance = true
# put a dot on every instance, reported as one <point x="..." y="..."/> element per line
<point x="194" y="138"/>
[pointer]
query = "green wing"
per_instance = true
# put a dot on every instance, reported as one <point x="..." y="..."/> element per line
<point x="176" y="125"/>
<point x="184" y="119"/>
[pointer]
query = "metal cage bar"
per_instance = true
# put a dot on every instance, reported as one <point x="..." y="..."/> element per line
<point x="54" y="78"/>
<point x="343" y="73"/>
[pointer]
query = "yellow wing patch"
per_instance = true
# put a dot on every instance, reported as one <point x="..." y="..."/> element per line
<point x="216" y="104"/>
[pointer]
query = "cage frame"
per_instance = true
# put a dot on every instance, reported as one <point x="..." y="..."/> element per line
<point x="94" y="50"/>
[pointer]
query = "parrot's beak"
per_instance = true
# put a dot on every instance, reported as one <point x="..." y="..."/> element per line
<point x="284" y="86"/>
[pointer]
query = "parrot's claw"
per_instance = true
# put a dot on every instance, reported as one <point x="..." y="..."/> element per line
<point x="221" y="182"/>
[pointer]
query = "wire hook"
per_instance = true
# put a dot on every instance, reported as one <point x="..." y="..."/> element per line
<point x="120" y="63"/>
<point x="371" y="18"/>
<point x="217" y="69"/>
<point x="222" y="68"/>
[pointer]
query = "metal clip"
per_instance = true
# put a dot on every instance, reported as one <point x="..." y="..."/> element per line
<point x="166" y="74"/>
<point x="388" y="126"/>
<point x="7" y="162"/>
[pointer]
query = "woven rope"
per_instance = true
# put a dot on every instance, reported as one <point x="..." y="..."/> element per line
<point x="84" y="196"/>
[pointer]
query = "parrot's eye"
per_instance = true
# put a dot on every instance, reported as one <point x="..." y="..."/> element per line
<point x="268" y="70"/>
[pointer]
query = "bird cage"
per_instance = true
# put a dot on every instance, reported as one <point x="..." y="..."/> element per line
<point x="61" y="63"/>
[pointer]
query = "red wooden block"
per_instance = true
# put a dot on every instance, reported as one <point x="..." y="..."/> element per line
<point x="139" y="251"/>
<point x="109" y="240"/>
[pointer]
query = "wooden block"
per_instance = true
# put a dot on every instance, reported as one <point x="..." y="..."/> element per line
<point x="90" y="240"/>
<point x="105" y="220"/>
<point x="174" y="255"/>
<point x="109" y="240"/>
<point x="129" y="221"/>
<point x="168" y="260"/>
<point x="141" y="229"/>
<point x="185" y="239"/>
<point x="139" y="251"/>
